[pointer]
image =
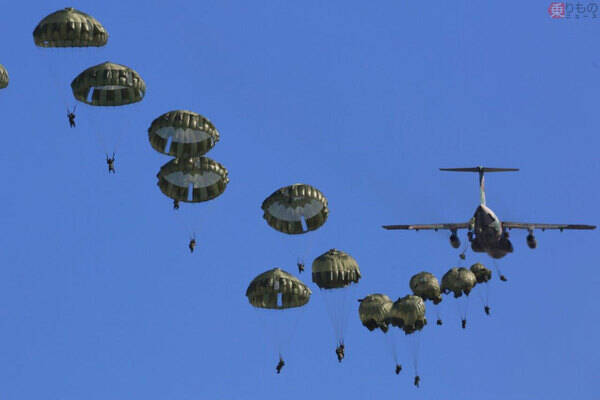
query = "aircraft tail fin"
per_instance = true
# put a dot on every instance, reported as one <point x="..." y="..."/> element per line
<point x="481" y="171"/>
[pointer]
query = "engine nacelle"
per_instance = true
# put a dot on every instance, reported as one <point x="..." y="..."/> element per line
<point x="531" y="242"/>
<point x="454" y="241"/>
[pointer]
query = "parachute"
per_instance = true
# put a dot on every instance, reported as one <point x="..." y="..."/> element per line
<point x="278" y="295"/>
<point x="408" y="313"/>
<point x="373" y="311"/>
<point x="459" y="281"/>
<point x="426" y="286"/>
<point x="193" y="179"/>
<point x="295" y="209"/>
<point x="277" y="289"/>
<point x="65" y="32"/>
<point x="112" y="84"/>
<point x="333" y="272"/>
<point x="182" y="134"/>
<point x="69" y="28"/>
<point x="108" y="88"/>
<point x="3" y="77"/>
<point x="482" y="274"/>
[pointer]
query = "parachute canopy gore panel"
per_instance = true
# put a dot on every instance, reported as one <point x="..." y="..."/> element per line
<point x="289" y="206"/>
<point x="408" y="313"/>
<point x="3" y="77"/>
<point x="111" y="85"/>
<point x="458" y="281"/>
<point x="335" y="269"/>
<point x="207" y="177"/>
<point x="69" y="28"/>
<point x="374" y="310"/>
<point x="191" y="134"/>
<point x="426" y="286"/>
<point x="263" y="291"/>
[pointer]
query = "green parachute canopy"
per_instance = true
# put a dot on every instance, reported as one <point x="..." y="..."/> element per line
<point x="459" y="281"/>
<point x="426" y="286"/>
<point x="408" y="313"/>
<point x="201" y="177"/>
<point x="110" y="85"/>
<point x="277" y="289"/>
<point x="69" y="28"/>
<point x="3" y="77"/>
<point x="335" y="269"/>
<point x="482" y="274"/>
<point x="289" y="207"/>
<point x="191" y="134"/>
<point x="373" y="311"/>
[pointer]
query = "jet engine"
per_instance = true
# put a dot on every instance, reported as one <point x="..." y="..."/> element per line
<point x="531" y="242"/>
<point x="454" y="240"/>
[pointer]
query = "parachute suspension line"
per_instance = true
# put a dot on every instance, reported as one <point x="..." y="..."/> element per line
<point x="335" y="303"/>
<point x="332" y="309"/>
<point x="414" y="342"/>
<point x="90" y="123"/>
<point x="462" y="306"/>
<point x="345" y="310"/>
<point x="497" y="268"/>
<point x="390" y="338"/>
<point x="286" y="339"/>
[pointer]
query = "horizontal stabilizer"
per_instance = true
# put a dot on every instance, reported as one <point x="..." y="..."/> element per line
<point x="480" y="169"/>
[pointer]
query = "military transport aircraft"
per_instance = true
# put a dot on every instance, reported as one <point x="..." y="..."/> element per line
<point x="486" y="232"/>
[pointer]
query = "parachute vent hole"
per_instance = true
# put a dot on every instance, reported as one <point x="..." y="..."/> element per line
<point x="90" y="95"/>
<point x="190" y="196"/>
<point x="304" y="224"/>
<point x="168" y="145"/>
<point x="279" y="299"/>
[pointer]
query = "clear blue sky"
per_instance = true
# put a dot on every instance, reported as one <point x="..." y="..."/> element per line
<point x="100" y="298"/>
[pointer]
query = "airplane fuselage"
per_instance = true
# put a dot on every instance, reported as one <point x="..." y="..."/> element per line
<point x="486" y="234"/>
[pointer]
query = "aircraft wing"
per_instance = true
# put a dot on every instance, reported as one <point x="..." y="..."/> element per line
<point x="435" y="227"/>
<point x="531" y="226"/>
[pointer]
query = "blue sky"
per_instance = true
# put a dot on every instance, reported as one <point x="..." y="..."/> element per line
<point x="99" y="296"/>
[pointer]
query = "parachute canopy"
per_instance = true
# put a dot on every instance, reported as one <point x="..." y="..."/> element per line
<point x="277" y="289"/>
<point x="191" y="134"/>
<point x="287" y="208"/>
<point x="426" y="286"/>
<point x="112" y="84"/>
<point x="3" y="77"/>
<point x="482" y="274"/>
<point x="408" y="313"/>
<point x="373" y="311"/>
<point x="459" y="281"/>
<point x="208" y="179"/>
<point x="335" y="269"/>
<point x="69" y="28"/>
